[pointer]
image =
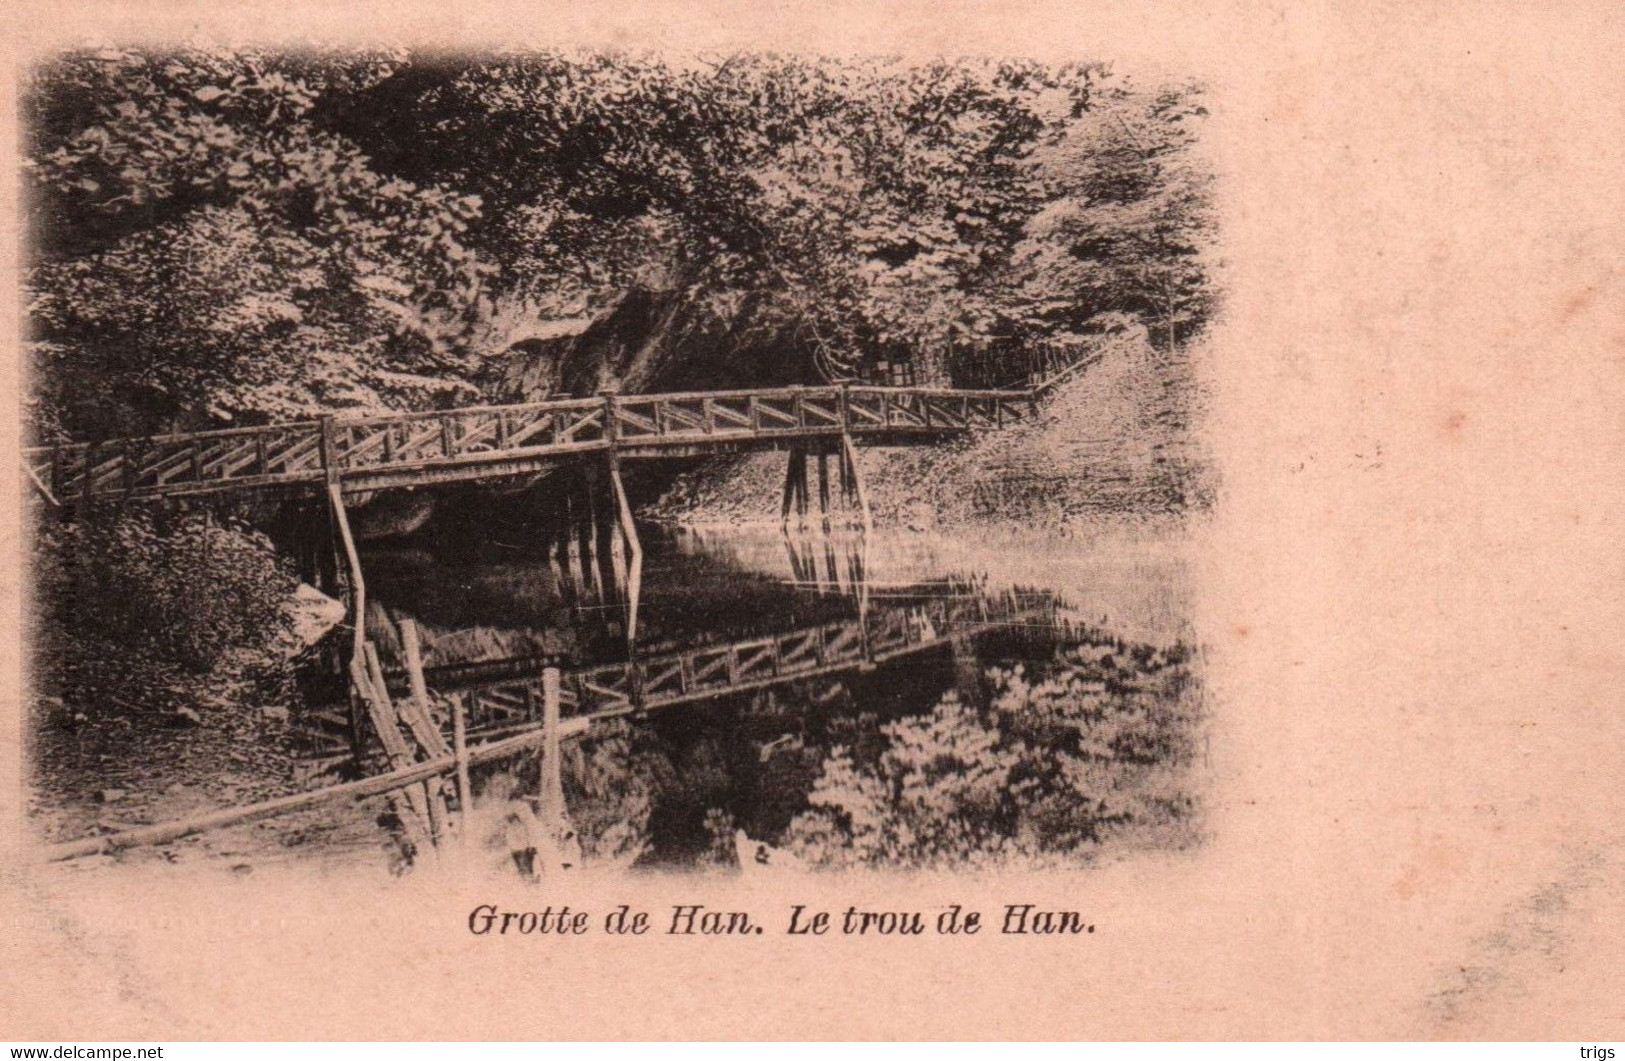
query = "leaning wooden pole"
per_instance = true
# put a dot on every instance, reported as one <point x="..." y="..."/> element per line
<point x="414" y="810"/>
<point x="382" y="784"/>
<point x="419" y="718"/>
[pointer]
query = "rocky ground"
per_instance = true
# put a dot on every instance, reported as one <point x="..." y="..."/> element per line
<point x="229" y="746"/>
<point x="1115" y="443"/>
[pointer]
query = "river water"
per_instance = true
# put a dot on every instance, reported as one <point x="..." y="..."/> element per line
<point x="813" y="699"/>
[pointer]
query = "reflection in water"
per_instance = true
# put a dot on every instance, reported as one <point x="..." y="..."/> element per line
<point x="784" y="702"/>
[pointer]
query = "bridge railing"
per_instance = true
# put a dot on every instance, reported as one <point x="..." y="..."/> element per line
<point x="197" y="462"/>
<point x="378" y="448"/>
<point x="879" y="409"/>
<point x="698" y="416"/>
<point x="423" y="439"/>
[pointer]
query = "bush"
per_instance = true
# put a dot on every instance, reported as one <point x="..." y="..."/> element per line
<point x="133" y="609"/>
<point x="1051" y="771"/>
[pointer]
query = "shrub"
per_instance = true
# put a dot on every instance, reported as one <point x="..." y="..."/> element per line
<point x="131" y="610"/>
<point x="1053" y="769"/>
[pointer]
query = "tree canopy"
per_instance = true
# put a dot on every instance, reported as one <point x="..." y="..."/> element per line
<point x="245" y="235"/>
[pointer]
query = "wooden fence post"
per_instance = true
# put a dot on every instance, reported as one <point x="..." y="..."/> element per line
<point x="459" y="745"/>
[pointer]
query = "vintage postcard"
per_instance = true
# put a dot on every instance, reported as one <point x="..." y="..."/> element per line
<point x="904" y="521"/>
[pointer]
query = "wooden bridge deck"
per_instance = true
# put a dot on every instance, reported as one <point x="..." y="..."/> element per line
<point x="412" y="449"/>
<point x="504" y="695"/>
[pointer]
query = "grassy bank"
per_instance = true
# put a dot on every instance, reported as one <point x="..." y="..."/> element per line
<point x="1116" y="442"/>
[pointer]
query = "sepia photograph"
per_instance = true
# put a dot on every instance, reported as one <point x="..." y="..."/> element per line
<point x="598" y="462"/>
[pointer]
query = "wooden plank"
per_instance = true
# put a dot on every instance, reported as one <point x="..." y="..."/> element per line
<point x="724" y="418"/>
<point x="702" y="668"/>
<point x="627" y="416"/>
<point x="828" y="413"/>
<point x="39" y="484"/>
<point x="434" y="796"/>
<point x="164" y="468"/>
<point x="417" y="713"/>
<point x="588" y="419"/>
<point x="329" y="448"/>
<point x="750" y="655"/>
<point x="693" y="419"/>
<point x="796" y="651"/>
<point x="518" y="437"/>
<point x="823" y="485"/>
<point x="373" y="438"/>
<point x="765" y="411"/>
<point x="657" y="673"/>
<point x="302" y="454"/>
<point x="476" y="430"/>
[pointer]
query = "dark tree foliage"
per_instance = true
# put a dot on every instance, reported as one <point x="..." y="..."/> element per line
<point x="248" y="235"/>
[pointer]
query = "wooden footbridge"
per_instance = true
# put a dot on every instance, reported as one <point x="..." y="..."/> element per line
<point x="358" y="454"/>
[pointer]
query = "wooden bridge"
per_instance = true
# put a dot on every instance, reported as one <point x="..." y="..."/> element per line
<point x="342" y="456"/>
<point x="416" y="449"/>
<point x="505" y="695"/>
